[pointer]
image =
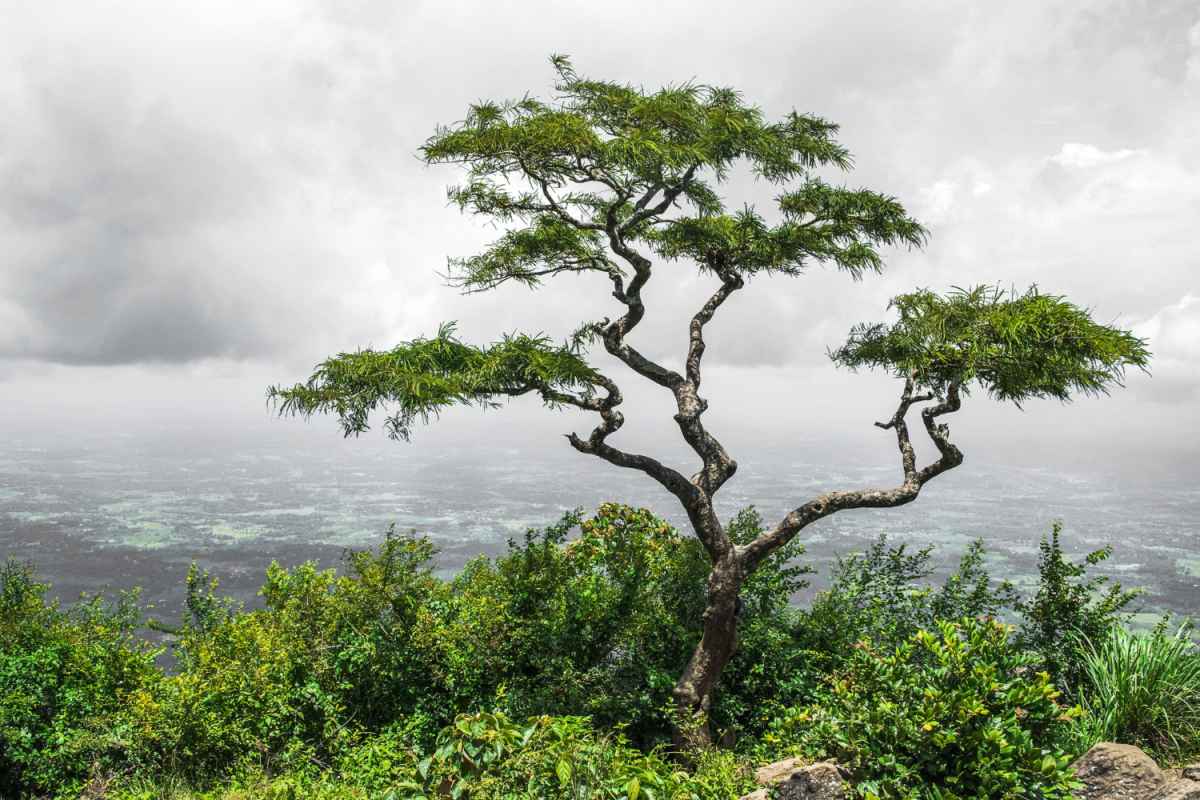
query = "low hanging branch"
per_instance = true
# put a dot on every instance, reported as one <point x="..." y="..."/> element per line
<point x="611" y="179"/>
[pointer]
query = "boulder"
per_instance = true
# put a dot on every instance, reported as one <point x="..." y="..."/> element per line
<point x="792" y="781"/>
<point x="1192" y="771"/>
<point x="1118" y="772"/>
<point x="776" y="772"/>
<point x="1179" y="789"/>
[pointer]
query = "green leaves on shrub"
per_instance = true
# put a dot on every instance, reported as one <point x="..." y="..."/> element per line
<point x="1069" y="607"/>
<point x="72" y="684"/>
<point x="489" y="756"/>
<point x="953" y="713"/>
<point x="551" y="667"/>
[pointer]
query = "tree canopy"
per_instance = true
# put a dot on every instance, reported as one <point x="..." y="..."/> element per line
<point x="1014" y="346"/>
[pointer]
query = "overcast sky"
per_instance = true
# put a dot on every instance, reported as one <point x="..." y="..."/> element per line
<point x="199" y="199"/>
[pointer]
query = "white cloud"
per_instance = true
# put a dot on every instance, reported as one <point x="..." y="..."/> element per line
<point x="1083" y="156"/>
<point x="1173" y="334"/>
<point x="936" y="202"/>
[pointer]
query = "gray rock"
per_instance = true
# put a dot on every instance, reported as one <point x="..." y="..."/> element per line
<point x="1180" y="789"/>
<point x="1192" y="772"/>
<point x="822" y="781"/>
<point x="1118" y="772"/>
<point x="792" y="781"/>
<point x="778" y="771"/>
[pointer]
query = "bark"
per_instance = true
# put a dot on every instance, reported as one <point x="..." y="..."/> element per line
<point x="695" y="687"/>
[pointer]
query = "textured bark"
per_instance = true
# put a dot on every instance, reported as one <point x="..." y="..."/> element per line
<point x="694" y="689"/>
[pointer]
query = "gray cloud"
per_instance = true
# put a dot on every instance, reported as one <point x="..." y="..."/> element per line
<point x="241" y="184"/>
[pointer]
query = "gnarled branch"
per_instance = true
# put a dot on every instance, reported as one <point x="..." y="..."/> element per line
<point x="829" y="503"/>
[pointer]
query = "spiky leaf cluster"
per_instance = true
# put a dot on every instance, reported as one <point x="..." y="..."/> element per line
<point x="418" y="379"/>
<point x="604" y="162"/>
<point x="1015" y="346"/>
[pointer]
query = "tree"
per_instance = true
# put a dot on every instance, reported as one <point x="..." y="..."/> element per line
<point x="608" y="178"/>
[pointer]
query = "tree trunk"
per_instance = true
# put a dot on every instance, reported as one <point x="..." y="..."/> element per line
<point x="694" y="690"/>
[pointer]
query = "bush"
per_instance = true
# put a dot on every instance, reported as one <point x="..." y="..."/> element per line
<point x="488" y="756"/>
<point x="1143" y="689"/>
<point x="70" y="683"/>
<point x="600" y="625"/>
<point x="1069" y="608"/>
<point x="953" y="713"/>
<point x="883" y="596"/>
<point x="343" y="683"/>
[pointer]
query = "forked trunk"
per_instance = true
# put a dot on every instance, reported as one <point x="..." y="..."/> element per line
<point x="694" y="690"/>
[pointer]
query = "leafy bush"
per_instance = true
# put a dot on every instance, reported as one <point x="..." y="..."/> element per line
<point x="954" y="713"/>
<point x="601" y="624"/>
<point x="1143" y="689"/>
<point x="67" y="679"/>
<point x="594" y="626"/>
<point x="343" y="684"/>
<point x="883" y="596"/>
<point x="1069" y="608"/>
<point x="489" y="756"/>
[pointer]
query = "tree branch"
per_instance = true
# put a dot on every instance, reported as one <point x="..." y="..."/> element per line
<point x="730" y="283"/>
<point x="611" y="421"/>
<point x="554" y="204"/>
<point x="718" y="467"/>
<point x="631" y="297"/>
<point x="829" y="503"/>
<point x="641" y="213"/>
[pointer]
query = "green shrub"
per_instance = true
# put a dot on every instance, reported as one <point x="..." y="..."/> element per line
<point x="954" y="713"/>
<point x="71" y="683"/>
<point x="342" y="683"/>
<point x="288" y="686"/>
<point x="883" y="596"/>
<point x="592" y="626"/>
<point x="601" y="624"/>
<point x="1069" y="608"/>
<point x="1143" y="689"/>
<point x="489" y="756"/>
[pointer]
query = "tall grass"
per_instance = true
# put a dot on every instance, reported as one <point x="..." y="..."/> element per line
<point x="1143" y="689"/>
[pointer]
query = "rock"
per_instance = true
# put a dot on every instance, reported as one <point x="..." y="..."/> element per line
<point x="1192" y="772"/>
<point x="1180" y="789"/>
<point x="792" y="781"/>
<point x="1118" y="772"/>
<point x="776" y="772"/>
<point x="822" y="781"/>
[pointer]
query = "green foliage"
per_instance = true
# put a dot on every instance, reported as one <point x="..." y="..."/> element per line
<point x="1015" y="347"/>
<point x="595" y="626"/>
<point x="1143" y="689"/>
<point x="599" y="625"/>
<point x="1069" y="608"/>
<point x="882" y="595"/>
<point x="605" y="158"/>
<point x="488" y="756"/>
<point x="953" y="713"/>
<point x="562" y="649"/>
<point x="67" y="682"/>
<point x="421" y="377"/>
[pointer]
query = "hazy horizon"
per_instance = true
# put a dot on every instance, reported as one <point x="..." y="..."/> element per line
<point x="199" y="201"/>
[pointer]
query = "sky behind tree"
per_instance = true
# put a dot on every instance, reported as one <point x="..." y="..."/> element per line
<point x="197" y="200"/>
